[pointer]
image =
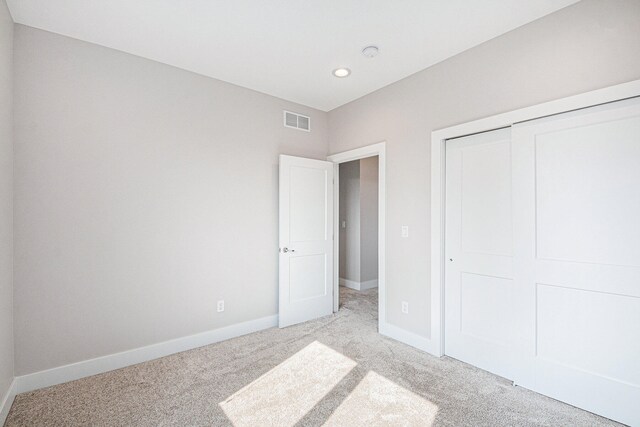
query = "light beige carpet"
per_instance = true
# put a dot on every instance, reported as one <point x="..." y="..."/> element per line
<point x="334" y="371"/>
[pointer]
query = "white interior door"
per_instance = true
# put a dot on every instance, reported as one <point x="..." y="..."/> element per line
<point x="479" y="285"/>
<point x="577" y="256"/>
<point x="306" y="239"/>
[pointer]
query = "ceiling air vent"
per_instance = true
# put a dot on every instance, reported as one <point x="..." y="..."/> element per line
<point x="297" y="121"/>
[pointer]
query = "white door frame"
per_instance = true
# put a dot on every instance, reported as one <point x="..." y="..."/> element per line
<point x="438" y="138"/>
<point x="347" y="156"/>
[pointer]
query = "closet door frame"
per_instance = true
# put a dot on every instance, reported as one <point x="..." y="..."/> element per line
<point x="438" y="140"/>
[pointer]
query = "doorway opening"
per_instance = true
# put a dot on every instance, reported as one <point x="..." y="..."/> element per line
<point x="359" y="229"/>
<point x="358" y="232"/>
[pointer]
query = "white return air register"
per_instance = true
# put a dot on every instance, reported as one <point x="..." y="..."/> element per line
<point x="297" y="121"/>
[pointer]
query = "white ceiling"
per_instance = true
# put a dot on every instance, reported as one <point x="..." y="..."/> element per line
<point x="288" y="48"/>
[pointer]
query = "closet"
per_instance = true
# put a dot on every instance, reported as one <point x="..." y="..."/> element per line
<point x="542" y="247"/>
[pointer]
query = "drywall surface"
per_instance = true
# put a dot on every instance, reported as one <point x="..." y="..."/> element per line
<point x="369" y="219"/>
<point x="143" y="195"/>
<point x="586" y="46"/>
<point x="6" y="200"/>
<point x="349" y="207"/>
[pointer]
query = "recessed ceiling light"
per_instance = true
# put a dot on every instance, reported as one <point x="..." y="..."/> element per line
<point x="370" y="51"/>
<point x="341" y="72"/>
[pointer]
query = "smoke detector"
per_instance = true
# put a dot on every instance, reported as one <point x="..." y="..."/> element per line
<point x="370" y="51"/>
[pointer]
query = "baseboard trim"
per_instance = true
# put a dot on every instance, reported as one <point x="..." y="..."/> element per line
<point x="369" y="284"/>
<point x="7" y="400"/>
<point x="358" y="286"/>
<point x="351" y="284"/>
<point x="99" y="365"/>
<point x="409" y="338"/>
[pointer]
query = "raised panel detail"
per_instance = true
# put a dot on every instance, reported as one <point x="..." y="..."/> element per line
<point x="595" y="332"/>
<point x="308" y="201"/>
<point x="588" y="193"/>
<point x="486" y="198"/>
<point x="307" y="277"/>
<point x="486" y="305"/>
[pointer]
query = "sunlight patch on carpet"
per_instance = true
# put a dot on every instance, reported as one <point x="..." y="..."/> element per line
<point x="286" y="393"/>
<point x="378" y="401"/>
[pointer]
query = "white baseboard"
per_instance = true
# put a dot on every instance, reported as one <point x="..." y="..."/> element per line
<point x="351" y="284"/>
<point x="7" y="400"/>
<point x="409" y="338"/>
<point x="369" y="284"/>
<point x="99" y="365"/>
<point x="358" y="286"/>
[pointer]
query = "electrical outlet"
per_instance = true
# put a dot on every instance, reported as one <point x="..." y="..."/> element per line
<point x="405" y="231"/>
<point x="220" y="306"/>
<point x="405" y="307"/>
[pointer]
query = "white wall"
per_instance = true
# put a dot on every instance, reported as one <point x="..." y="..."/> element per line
<point x="349" y="206"/>
<point x="143" y="194"/>
<point x="590" y="45"/>
<point x="6" y="201"/>
<point x="369" y="219"/>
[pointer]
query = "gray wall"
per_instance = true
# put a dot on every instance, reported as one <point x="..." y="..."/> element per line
<point x="349" y="206"/>
<point x="6" y="201"/>
<point x="590" y="45"/>
<point x="143" y="194"/>
<point x="369" y="219"/>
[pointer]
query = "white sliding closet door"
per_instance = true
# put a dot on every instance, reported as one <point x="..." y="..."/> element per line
<point x="479" y="291"/>
<point x="542" y="240"/>
<point x="576" y="220"/>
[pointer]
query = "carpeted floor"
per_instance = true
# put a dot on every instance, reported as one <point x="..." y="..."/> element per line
<point x="333" y="371"/>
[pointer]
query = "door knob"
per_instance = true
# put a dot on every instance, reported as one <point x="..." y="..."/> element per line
<point x="285" y="250"/>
